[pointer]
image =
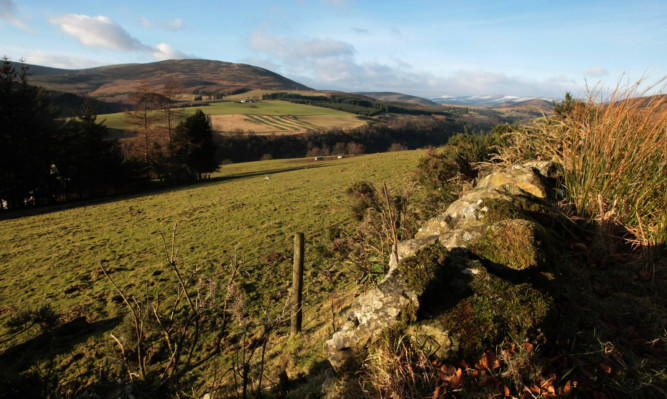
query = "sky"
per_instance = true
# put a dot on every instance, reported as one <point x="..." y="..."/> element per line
<point x="427" y="48"/>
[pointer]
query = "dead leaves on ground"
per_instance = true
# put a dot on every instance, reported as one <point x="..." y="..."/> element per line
<point x="485" y="375"/>
<point x="452" y="379"/>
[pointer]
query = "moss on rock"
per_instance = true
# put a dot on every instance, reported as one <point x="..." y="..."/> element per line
<point x="459" y="298"/>
<point x="432" y="338"/>
<point x="515" y="244"/>
<point x="426" y="266"/>
<point x="497" y="309"/>
<point x="520" y="207"/>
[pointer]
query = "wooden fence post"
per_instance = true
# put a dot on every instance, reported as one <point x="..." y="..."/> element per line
<point x="297" y="284"/>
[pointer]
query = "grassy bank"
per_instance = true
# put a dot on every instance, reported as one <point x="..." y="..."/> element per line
<point x="252" y="209"/>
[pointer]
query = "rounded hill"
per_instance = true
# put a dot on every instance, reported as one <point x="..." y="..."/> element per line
<point x="193" y="75"/>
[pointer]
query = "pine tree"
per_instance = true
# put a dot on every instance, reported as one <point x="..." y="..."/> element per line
<point x="192" y="148"/>
<point x="88" y="159"/>
<point x="28" y="126"/>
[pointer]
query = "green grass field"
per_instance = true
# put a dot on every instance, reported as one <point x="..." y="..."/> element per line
<point x="253" y="208"/>
<point x="263" y="117"/>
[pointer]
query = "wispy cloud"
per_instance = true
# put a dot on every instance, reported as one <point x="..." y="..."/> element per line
<point x="597" y="72"/>
<point x="102" y="32"/>
<point x="360" y="31"/>
<point x="291" y="50"/>
<point x="98" y="31"/>
<point x="10" y="12"/>
<point x="342" y="5"/>
<point x="175" y="25"/>
<point x="145" y="22"/>
<point x="395" y="32"/>
<point x="331" y="64"/>
<point x="60" y="60"/>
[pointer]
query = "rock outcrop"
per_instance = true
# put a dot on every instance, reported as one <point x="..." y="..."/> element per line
<point x="446" y="284"/>
<point x="373" y="311"/>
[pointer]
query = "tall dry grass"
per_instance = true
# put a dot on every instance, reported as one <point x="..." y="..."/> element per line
<point x="614" y="154"/>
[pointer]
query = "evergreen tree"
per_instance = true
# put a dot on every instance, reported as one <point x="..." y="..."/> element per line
<point x="567" y="106"/>
<point x="29" y="125"/>
<point x="87" y="159"/>
<point x="192" y="149"/>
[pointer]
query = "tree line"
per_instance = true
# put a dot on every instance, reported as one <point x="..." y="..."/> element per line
<point x="46" y="159"/>
<point x="407" y="132"/>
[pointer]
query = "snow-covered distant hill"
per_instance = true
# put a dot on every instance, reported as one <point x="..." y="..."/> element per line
<point x="486" y="100"/>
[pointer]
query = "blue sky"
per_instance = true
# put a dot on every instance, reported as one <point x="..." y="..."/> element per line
<point x="423" y="47"/>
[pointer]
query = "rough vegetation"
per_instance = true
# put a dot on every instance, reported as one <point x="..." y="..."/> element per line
<point x="526" y="279"/>
<point x="508" y="288"/>
<point x="612" y="151"/>
<point x="459" y="292"/>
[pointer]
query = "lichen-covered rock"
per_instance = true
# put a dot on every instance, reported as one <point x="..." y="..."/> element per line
<point x="452" y="240"/>
<point x="512" y="243"/>
<point x="408" y="248"/>
<point x="469" y="210"/>
<point x="518" y="207"/>
<point x="439" y="224"/>
<point x="377" y="309"/>
<point x="525" y="177"/>
<point x="427" y="269"/>
<point x="448" y="278"/>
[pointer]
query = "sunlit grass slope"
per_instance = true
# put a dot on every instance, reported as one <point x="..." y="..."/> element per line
<point x="253" y="208"/>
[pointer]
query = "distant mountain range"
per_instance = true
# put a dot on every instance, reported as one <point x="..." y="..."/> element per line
<point x="113" y="84"/>
<point x="543" y="103"/>
<point x="495" y="100"/>
<point x="398" y="97"/>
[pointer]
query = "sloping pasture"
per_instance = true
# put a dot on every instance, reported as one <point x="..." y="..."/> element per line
<point x="263" y="117"/>
<point x="250" y="209"/>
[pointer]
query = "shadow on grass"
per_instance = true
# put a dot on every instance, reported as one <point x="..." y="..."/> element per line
<point x="49" y="344"/>
<point x="303" y="385"/>
<point x="152" y="189"/>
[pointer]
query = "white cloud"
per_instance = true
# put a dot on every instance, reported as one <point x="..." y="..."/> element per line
<point x="163" y="51"/>
<point x="597" y="72"/>
<point x="175" y="25"/>
<point x="331" y="64"/>
<point x="61" y="61"/>
<point x="102" y="32"/>
<point x="10" y="12"/>
<point x="480" y="82"/>
<point x="292" y="50"/>
<point x="98" y="31"/>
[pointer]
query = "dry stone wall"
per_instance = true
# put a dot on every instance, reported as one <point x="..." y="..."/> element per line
<point x="447" y="285"/>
